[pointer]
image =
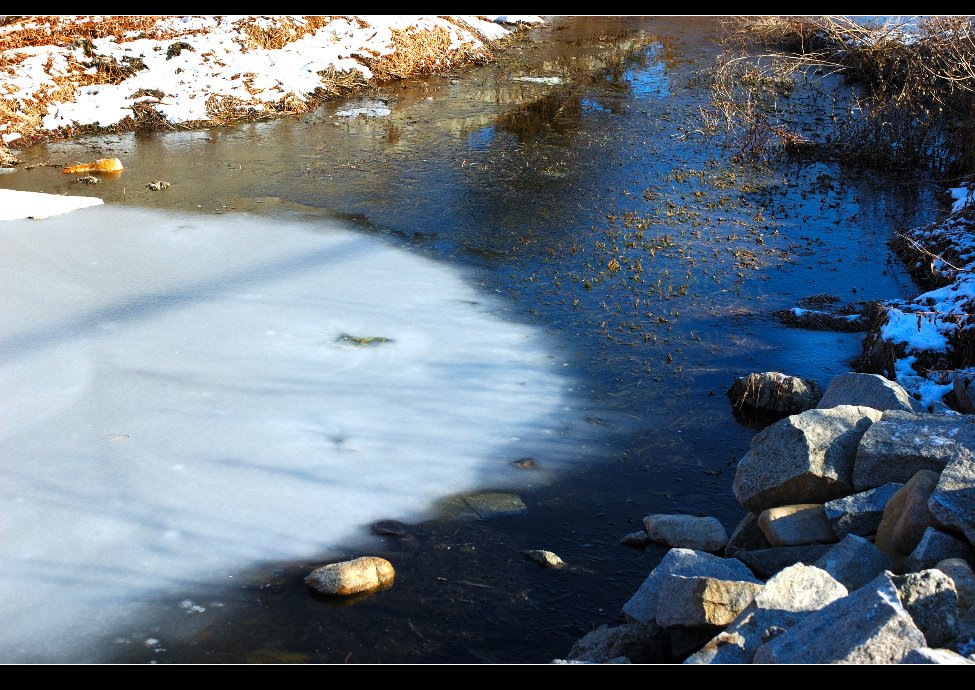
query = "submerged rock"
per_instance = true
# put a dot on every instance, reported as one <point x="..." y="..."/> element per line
<point x="365" y="574"/>
<point x="481" y="506"/>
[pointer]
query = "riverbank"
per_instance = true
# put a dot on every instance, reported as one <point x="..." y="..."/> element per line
<point x="62" y="76"/>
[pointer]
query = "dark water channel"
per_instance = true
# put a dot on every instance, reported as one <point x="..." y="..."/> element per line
<point x="597" y="213"/>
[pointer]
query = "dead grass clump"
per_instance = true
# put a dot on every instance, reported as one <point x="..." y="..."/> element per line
<point x="227" y="109"/>
<point x="178" y="47"/>
<point x="342" y="82"/>
<point x="415" y="51"/>
<point x="273" y="33"/>
<point x="914" y="87"/>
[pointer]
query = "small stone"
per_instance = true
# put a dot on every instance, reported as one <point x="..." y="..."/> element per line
<point x="481" y="506"/>
<point x="365" y="574"/>
<point x="854" y="561"/>
<point x="686" y="531"/>
<point x="639" y="539"/>
<point x="860" y="513"/>
<point x="546" y="558"/>
<point x="89" y="180"/>
<point x="525" y="464"/>
<point x="962" y="575"/>
<point x="156" y="186"/>
<point x="794" y="525"/>
<point x="906" y="516"/>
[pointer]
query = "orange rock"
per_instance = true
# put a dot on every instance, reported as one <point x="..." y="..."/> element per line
<point x="105" y="165"/>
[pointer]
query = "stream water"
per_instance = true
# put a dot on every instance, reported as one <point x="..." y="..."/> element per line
<point x="566" y="271"/>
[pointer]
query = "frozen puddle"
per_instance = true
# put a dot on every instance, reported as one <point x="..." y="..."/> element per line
<point x="186" y="396"/>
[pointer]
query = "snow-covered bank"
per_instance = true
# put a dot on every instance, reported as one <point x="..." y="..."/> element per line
<point x="923" y="341"/>
<point x="185" y="397"/>
<point x="59" y="74"/>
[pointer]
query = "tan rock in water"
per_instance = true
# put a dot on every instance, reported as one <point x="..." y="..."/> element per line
<point x="364" y="574"/>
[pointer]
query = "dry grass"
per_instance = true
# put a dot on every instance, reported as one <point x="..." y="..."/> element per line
<point x="914" y="101"/>
<point x="417" y="52"/>
<point x="274" y="33"/>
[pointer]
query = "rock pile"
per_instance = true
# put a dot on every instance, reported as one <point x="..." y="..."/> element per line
<point x="856" y="547"/>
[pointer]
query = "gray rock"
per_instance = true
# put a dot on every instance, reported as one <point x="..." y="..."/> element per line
<point x="640" y="643"/>
<point x="767" y="562"/>
<point x="794" y="525"/>
<point x="854" y="562"/>
<point x="774" y="392"/>
<point x="953" y="501"/>
<point x="785" y="598"/>
<point x="962" y="575"/>
<point x="746" y="536"/>
<point x="936" y="546"/>
<point x="686" y="531"/>
<point x="642" y="606"/>
<point x="364" y="574"/>
<point x="803" y="458"/>
<point x="869" y="626"/>
<point x="638" y="539"/>
<point x="926" y="655"/>
<point x="694" y="602"/>
<point x="860" y="513"/>
<point x="868" y="390"/>
<point x="930" y="598"/>
<point x="901" y="444"/>
<point x="906" y="516"/>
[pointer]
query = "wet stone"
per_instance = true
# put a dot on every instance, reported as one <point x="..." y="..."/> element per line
<point x="359" y="575"/>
